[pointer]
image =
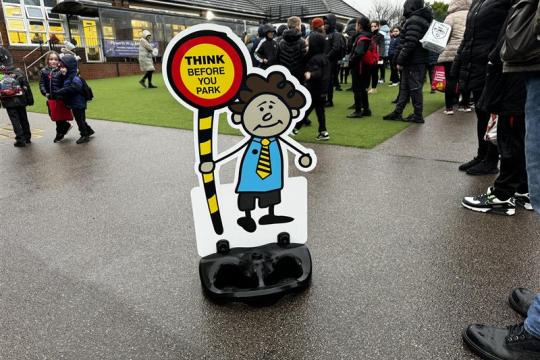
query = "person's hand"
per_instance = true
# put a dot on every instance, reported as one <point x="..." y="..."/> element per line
<point x="307" y="75"/>
<point x="207" y="167"/>
<point x="63" y="70"/>
<point x="399" y="67"/>
<point x="305" y="160"/>
<point x="265" y="61"/>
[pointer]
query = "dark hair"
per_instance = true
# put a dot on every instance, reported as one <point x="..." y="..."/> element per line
<point x="339" y="27"/>
<point x="281" y="29"/>
<point x="376" y="22"/>
<point x="275" y="84"/>
<point x="395" y="27"/>
<point x="364" y="23"/>
<point x="384" y="22"/>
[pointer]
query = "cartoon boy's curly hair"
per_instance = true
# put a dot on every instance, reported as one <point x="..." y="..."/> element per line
<point x="275" y="84"/>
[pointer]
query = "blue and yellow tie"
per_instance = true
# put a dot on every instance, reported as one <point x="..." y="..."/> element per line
<point x="263" y="165"/>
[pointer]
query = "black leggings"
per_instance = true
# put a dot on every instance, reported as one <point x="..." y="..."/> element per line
<point x="317" y="104"/>
<point x="148" y="76"/>
<point x="80" y="118"/>
<point x="486" y="150"/>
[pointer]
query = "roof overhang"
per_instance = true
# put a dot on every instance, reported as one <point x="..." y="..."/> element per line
<point x="73" y="7"/>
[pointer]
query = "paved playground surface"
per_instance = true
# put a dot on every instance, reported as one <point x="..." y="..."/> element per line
<point x="98" y="257"/>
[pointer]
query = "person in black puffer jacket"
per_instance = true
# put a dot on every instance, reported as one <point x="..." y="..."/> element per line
<point x="411" y="58"/>
<point x="317" y="78"/>
<point x="72" y="94"/>
<point x="292" y="49"/>
<point x="16" y="104"/>
<point x="509" y="105"/>
<point x="483" y="23"/>
<point x="334" y="50"/>
<point x="266" y="52"/>
<point x="50" y="81"/>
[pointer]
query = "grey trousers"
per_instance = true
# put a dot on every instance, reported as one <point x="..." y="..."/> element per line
<point x="412" y="81"/>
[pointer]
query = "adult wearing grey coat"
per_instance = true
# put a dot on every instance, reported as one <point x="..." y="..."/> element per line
<point x="146" y="61"/>
<point x="456" y="18"/>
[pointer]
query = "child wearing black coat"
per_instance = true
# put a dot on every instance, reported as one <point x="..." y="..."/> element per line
<point x="51" y="81"/>
<point x="72" y="94"/>
<point x="16" y="96"/>
<point x="318" y="77"/>
<point x="266" y="52"/>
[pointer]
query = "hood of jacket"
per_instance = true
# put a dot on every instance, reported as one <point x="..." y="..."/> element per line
<point x="146" y="33"/>
<point x="385" y="29"/>
<point x="6" y="60"/>
<point x="459" y="5"/>
<point x="268" y="28"/>
<point x="425" y="13"/>
<point x="291" y="35"/>
<point x="317" y="44"/>
<point x="331" y="21"/>
<point x="70" y="62"/>
<point x="412" y="6"/>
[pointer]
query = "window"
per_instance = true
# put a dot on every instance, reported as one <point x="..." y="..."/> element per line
<point x="32" y="2"/>
<point x="14" y="11"/>
<point x="108" y="32"/>
<point x="16" y="24"/>
<point x="16" y="37"/>
<point x="52" y="16"/>
<point x="138" y="27"/>
<point x="50" y="3"/>
<point x="36" y="26"/>
<point x="56" y="27"/>
<point x="12" y="1"/>
<point x="34" y="12"/>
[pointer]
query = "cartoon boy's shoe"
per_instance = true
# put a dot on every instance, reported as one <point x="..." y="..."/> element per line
<point x="274" y="219"/>
<point x="247" y="223"/>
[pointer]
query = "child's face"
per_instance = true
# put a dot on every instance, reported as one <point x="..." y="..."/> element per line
<point x="266" y="116"/>
<point x="374" y="27"/>
<point x="395" y="32"/>
<point x="270" y="35"/>
<point x="53" y="61"/>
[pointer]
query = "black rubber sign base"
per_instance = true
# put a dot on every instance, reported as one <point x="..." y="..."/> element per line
<point x="256" y="275"/>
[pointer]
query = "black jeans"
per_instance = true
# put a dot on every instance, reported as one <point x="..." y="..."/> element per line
<point x="486" y="150"/>
<point x="360" y="84"/>
<point x="412" y="81"/>
<point x="80" y="118"/>
<point x="62" y="127"/>
<point x="333" y="76"/>
<point x="511" y="145"/>
<point x="148" y="75"/>
<point x="451" y="90"/>
<point x="19" y="121"/>
<point x="394" y="73"/>
<point x="382" y="68"/>
<point x="344" y="74"/>
<point x="375" y="77"/>
<point x="317" y="104"/>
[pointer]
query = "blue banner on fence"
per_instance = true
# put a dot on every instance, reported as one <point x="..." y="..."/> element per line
<point x="123" y="48"/>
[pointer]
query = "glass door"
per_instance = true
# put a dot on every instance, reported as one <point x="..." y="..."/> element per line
<point x="91" y="40"/>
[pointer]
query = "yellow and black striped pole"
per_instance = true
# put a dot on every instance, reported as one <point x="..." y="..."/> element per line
<point x="205" y="132"/>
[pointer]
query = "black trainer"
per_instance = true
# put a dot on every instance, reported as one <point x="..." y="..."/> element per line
<point x="58" y="137"/>
<point x="19" y="144"/>
<point x="83" y="139"/>
<point x="366" y="113"/>
<point x="483" y="168"/>
<point x="393" y="116"/>
<point x="523" y="200"/>
<point x="28" y="141"/>
<point x="91" y="131"/>
<point x="354" y="115"/>
<point x="414" y="119"/>
<point x="142" y="83"/>
<point x="329" y="104"/>
<point x="512" y="343"/>
<point x="520" y="300"/>
<point x="469" y="164"/>
<point x="488" y="202"/>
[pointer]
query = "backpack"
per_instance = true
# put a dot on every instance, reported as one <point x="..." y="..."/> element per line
<point x="9" y="86"/>
<point x="521" y="42"/>
<point x="86" y="90"/>
<point x="371" y="56"/>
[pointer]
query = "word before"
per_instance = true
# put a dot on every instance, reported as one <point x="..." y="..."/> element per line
<point x="206" y="71"/>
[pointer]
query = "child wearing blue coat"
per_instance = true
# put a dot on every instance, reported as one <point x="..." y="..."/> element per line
<point x="72" y="94"/>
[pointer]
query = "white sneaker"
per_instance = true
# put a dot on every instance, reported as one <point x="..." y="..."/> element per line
<point x="523" y="200"/>
<point x="464" y="109"/>
<point x="488" y="202"/>
<point x="372" y="91"/>
<point x="323" y="135"/>
<point x="381" y="81"/>
<point x="449" y="112"/>
<point x="394" y="84"/>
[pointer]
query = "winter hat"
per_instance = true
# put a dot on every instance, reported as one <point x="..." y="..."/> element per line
<point x="317" y="23"/>
<point x="146" y="33"/>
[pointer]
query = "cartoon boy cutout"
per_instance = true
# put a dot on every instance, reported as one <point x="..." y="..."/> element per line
<point x="266" y="110"/>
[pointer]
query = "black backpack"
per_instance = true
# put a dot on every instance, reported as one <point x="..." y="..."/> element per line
<point x="86" y="90"/>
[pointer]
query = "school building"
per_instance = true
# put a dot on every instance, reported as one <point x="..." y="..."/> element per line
<point x="107" y="32"/>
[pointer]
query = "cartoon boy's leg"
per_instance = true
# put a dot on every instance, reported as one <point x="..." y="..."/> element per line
<point x="246" y="203"/>
<point x="270" y="200"/>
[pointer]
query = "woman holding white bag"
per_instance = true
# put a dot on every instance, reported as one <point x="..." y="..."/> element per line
<point x="146" y="61"/>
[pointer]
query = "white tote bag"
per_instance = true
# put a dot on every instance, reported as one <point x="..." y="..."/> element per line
<point x="437" y="36"/>
<point x="491" y="130"/>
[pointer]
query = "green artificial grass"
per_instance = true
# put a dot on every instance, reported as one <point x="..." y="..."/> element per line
<point x="123" y="99"/>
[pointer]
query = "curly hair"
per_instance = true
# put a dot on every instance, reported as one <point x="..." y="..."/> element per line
<point x="275" y="84"/>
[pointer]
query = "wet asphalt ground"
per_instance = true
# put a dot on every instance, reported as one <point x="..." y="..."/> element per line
<point x="98" y="257"/>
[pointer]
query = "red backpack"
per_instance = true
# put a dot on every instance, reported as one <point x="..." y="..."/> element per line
<point x="371" y="57"/>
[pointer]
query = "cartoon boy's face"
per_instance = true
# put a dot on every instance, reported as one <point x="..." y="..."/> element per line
<point x="265" y="116"/>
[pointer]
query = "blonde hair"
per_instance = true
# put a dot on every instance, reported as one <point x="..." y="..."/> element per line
<point x="294" y="22"/>
<point x="49" y="53"/>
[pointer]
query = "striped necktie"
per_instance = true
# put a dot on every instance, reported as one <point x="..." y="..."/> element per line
<point x="263" y="165"/>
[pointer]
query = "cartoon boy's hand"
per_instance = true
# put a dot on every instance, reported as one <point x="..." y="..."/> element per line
<point x="305" y="160"/>
<point x="207" y="167"/>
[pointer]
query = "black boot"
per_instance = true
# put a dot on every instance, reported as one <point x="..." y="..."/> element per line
<point x="393" y="116"/>
<point x="512" y="343"/>
<point x="483" y="168"/>
<point x="469" y="164"/>
<point x="520" y="300"/>
<point x="355" y="115"/>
